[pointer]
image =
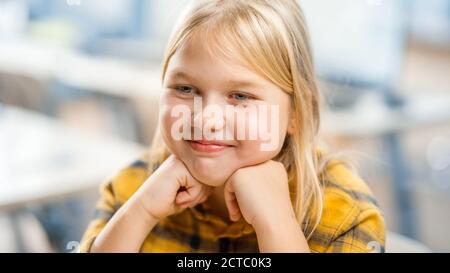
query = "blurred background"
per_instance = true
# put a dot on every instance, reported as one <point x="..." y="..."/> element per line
<point x="79" y="88"/>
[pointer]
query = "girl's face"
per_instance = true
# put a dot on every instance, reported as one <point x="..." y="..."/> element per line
<point x="216" y="139"/>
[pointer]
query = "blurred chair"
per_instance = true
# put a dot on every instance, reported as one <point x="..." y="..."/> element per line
<point x="21" y="232"/>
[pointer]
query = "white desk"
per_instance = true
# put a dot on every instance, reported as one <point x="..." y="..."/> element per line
<point x="42" y="159"/>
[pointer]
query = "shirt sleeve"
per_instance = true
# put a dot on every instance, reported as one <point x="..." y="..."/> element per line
<point x="114" y="192"/>
<point x="366" y="234"/>
<point x="104" y="210"/>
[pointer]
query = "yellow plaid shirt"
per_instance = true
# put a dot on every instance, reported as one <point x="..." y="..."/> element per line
<point x="351" y="220"/>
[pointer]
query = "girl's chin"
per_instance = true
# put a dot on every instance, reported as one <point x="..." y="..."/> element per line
<point x="209" y="174"/>
<point x="209" y="178"/>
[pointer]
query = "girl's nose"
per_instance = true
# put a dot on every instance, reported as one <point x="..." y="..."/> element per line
<point x="211" y="115"/>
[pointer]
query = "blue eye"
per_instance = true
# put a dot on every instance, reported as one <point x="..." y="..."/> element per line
<point x="185" y="89"/>
<point x="240" y="96"/>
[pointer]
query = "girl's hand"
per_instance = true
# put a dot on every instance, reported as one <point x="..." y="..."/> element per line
<point x="170" y="189"/>
<point x="260" y="194"/>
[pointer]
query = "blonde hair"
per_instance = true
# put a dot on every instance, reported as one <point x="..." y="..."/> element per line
<point x="270" y="36"/>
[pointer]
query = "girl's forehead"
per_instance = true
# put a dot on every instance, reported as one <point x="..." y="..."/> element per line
<point x="213" y="44"/>
<point x="199" y="48"/>
<point x="194" y="60"/>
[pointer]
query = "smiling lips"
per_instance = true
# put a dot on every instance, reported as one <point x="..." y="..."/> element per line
<point x="208" y="146"/>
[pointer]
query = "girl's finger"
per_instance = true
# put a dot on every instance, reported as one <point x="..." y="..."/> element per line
<point x="190" y="194"/>
<point x="203" y="199"/>
<point x="203" y="195"/>
<point x="232" y="204"/>
<point x="184" y="205"/>
<point x="182" y="197"/>
<point x="189" y="204"/>
<point x="200" y="194"/>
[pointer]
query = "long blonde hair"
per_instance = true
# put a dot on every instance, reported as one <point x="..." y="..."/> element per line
<point x="270" y="36"/>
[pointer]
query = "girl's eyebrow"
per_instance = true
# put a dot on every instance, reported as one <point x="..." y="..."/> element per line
<point x="231" y="84"/>
<point x="235" y="84"/>
<point x="181" y="75"/>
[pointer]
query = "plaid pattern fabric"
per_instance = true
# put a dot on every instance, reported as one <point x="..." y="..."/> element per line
<point x="351" y="220"/>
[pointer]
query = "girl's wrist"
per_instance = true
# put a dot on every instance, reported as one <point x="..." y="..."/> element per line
<point x="275" y="223"/>
<point x="136" y="207"/>
<point x="126" y="230"/>
<point x="280" y="234"/>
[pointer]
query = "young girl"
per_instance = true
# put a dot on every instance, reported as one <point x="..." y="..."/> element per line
<point x="210" y="194"/>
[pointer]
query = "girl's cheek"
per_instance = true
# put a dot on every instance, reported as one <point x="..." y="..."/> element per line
<point x="262" y="130"/>
<point x="166" y="122"/>
<point x="165" y="115"/>
<point x="260" y="145"/>
<point x="173" y="114"/>
<point x="249" y="153"/>
<point x="246" y="125"/>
